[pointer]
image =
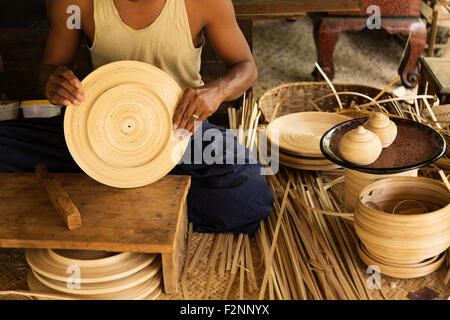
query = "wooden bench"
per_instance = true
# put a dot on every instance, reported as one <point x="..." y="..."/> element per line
<point x="151" y="219"/>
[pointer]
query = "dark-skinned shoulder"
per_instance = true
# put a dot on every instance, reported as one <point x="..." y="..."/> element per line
<point x="56" y="53"/>
<point x="214" y="11"/>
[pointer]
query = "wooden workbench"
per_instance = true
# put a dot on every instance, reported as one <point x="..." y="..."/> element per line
<point x="151" y="219"/>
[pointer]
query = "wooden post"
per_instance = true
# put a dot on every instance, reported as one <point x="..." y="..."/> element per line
<point x="172" y="263"/>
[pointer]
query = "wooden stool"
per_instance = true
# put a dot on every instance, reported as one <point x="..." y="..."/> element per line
<point x="436" y="78"/>
<point x="151" y="219"/>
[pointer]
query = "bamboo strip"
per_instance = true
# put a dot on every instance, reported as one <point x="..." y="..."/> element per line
<point x="330" y="84"/>
<point x="252" y="285"/>
<point x="230" y="251"/>
<point x="236" y="253"/>
<point x="184" y="287"/>
<point x="198" y="252"/>
<point x="397" y="99"/>
<point x="277" y="110"/>
<point x="378" y="104"/>
<point x="433" y="116"/>
<point x="272" y="249"/>
<point x="397" y="79"/>
<point x="215" y="251"/>
<point x="223" y="256"/>
<point x="241" y="276"/>
<point x="229" y="285"/>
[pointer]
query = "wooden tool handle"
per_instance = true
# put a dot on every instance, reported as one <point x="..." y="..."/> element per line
<point x="59" y="198"/>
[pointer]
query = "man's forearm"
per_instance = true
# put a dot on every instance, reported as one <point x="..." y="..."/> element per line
<point x="237" y="79"/>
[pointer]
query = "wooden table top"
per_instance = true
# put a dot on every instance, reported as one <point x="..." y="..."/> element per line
<point x="123" y="220"/>
<point x="277" y="9"/>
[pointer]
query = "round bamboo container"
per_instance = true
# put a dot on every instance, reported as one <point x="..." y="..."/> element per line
<point x="412" y="234"/>
<point x="355" y="181"/>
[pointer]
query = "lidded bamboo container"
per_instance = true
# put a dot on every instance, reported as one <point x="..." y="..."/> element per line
<point x="383" y="127"/>
<point x="360" y="146"/>
<point x="404" y="220"/>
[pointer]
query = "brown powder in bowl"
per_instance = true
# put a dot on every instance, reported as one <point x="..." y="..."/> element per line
<point x="414" y="144"/>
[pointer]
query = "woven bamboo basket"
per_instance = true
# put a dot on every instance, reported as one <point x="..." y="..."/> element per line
<point x="299" y="94"/>
<point x="404" y="220"/>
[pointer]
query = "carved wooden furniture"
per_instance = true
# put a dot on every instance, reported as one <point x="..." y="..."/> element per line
<point x="151" y="219"/>
<point x="436" y="78"/>
<point x="396" y="17"/>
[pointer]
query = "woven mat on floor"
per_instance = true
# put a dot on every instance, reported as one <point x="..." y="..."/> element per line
<point x="13" y="270"/>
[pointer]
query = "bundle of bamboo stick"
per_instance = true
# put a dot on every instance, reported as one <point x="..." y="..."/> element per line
<point x="308" y="255"/>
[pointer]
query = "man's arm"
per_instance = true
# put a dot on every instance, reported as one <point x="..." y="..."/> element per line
<point x="56" y="80"/>
<point x="225" y="36"/>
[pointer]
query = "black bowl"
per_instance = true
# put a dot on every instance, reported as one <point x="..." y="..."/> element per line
<point x="434" y="141"/>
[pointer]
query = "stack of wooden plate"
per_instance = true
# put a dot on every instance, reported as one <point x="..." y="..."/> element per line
<point x="93" y="275"/>
<point x="298" y="135"/>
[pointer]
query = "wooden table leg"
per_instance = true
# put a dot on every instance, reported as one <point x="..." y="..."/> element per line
<point x="409" y="67"/>
<point x="172" y="263"/>
<point x="326" y="36"/>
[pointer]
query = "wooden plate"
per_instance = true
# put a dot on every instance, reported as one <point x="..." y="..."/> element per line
<point x="121" y="135"/>
<point x="300" y="133"/>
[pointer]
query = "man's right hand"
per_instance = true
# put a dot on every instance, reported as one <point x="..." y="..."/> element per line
<point x="63" y="87"/>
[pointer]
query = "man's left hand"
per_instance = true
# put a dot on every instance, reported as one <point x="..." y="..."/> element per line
<point x="196" y="105"/>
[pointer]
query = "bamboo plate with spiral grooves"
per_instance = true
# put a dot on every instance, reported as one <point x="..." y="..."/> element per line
<point x="121" y="134"/>
<point x="300" y="133"/>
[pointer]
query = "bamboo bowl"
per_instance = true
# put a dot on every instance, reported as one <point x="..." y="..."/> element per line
<point x="418" y="230"/>
<point x="355" y="181"/>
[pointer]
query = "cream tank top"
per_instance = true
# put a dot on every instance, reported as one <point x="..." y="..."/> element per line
<point x="166" y="43"/>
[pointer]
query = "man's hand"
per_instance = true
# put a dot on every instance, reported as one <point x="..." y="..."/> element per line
<point x="63" y="87"/>
<point x="196" y="105"/>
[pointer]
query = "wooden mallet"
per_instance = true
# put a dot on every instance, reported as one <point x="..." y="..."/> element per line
<point x="59" y="198"/>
